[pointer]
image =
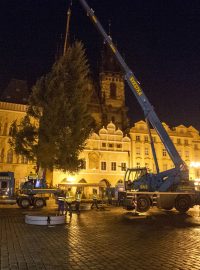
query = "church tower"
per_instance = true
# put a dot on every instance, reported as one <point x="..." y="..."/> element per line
<point x="112" y="91"/>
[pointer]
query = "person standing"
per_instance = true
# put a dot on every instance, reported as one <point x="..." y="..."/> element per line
<point x="69" y="200"/>
<point x="94" y="200"/>
<point x="78" y="201"/>
<point x="61" y="203"/>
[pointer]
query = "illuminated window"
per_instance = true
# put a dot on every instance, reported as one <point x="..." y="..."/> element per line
<point x="113" y="166"/>
<point x="103" y="165"/>
<point x="146" y="139"/>
<point x="146" y="151"/>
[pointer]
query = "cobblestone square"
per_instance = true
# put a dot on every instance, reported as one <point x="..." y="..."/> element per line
<point x="109" y="239"/>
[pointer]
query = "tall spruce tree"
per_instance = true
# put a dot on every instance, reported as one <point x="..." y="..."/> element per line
<point x="57" y="124"/>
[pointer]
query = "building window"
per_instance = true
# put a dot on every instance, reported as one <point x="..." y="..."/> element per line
<point x="154" y="139"/>
<point x="110" y="145"/>
<point x="137" y="138"/>
<point x="186" y="142"/>
<point x="10" y="156"/>
<point x="146" y="151"/>
<point x="164" y="152"/>
<point x="123" y="166"/>
<point x="103" y="144"/>
<point x="103" y="166"/>
<point x="137" y="165"/>
<point x="113" y="166"/>
<point x="146" y="139"/>
<point x="119" y="145"/>
<point x="113" y="90"/>
<point x="178" y="141"/>
<point x="137" y="150"/>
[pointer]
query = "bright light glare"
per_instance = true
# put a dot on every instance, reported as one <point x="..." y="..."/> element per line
<point x="194" y="164"/>
<point x="70" y="178"/>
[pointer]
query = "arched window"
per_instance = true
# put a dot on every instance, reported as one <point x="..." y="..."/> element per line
<point x="113" y="90"/>
<point x="10" y="156"/>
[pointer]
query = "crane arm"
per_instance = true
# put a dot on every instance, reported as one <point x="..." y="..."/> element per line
<point x="139" y="94"/>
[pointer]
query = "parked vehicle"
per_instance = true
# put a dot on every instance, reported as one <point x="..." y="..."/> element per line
<point x="33" y="192"/>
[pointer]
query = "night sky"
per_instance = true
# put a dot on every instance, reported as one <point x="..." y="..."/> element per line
<point x="159" y="39"/>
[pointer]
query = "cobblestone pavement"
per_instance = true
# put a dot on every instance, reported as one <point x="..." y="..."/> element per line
<point x="109" y="239"/>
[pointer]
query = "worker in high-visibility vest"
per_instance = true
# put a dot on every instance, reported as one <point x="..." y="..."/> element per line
<point x="94" y="200"/>
<point x="69" y="198"/>
<point x="78" y="201"/>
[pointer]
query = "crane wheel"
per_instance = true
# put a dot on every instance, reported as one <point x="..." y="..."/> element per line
<point x="182" y="203"/>
<point x="24" y="203"/>
<point x="143" y="203"/>
<point x="39" y="203"/>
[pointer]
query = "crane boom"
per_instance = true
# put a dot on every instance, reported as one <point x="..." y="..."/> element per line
<point x="139" y="94"/>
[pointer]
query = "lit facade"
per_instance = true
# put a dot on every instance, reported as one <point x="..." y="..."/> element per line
<point x="9" y="161"/>
<point x="186" y="141"/>
<point x="107" y="153"/>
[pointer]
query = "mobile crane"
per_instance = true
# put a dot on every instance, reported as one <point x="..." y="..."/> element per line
<point x="167" y="189"/>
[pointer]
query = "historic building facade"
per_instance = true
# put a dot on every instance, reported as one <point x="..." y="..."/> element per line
<point x="107" y="153"/>
<point x="9" y="161"/>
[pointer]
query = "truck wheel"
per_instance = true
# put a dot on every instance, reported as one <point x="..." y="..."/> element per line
<point x="24" y="203"/>
<point x="39" y="203"/>
<point x="143" y="203"/>
<point x="182" y="203"/>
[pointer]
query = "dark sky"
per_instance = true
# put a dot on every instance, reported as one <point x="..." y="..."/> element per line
<point x="159" y="39"/>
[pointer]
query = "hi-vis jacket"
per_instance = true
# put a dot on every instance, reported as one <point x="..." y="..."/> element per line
<point x="69" y="198"/>
<point x="78" y="197"/>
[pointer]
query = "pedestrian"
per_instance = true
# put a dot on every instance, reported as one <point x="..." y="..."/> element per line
<point x="61" y="203"/>
<point x="69" y="200"/>
<point x="78" y="201"/>
<point x="94" y="200"/>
